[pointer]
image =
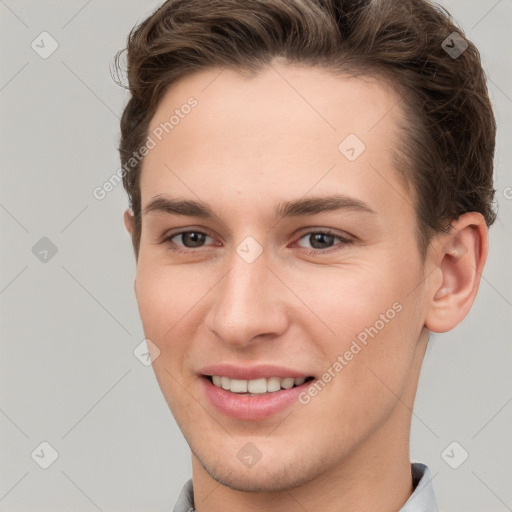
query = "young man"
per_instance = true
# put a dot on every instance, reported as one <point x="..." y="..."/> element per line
<point x="310" y="185"/>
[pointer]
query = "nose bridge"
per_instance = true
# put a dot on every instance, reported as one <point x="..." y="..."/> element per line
<point x="245" y="303"/>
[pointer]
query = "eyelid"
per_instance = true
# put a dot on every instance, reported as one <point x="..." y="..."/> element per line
<point x="326" y="231"/>
<point x="180" y="231"/>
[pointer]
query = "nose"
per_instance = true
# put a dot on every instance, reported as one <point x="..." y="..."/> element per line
<point x="248" y="303"/>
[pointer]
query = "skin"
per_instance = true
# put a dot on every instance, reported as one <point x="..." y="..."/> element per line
<point x="249" y="144"/>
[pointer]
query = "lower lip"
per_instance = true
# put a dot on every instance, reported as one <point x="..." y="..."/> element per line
<point x="251" y="408"/>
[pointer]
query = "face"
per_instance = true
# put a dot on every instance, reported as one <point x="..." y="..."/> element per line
<point x="299" y="261"/>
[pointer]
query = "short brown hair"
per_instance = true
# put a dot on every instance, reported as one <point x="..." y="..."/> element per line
<point x="447" y="149"/>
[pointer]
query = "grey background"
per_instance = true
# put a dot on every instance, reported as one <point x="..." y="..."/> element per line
<point x="69" y="326"/>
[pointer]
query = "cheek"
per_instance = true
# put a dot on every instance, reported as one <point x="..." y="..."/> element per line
<point x="164" y="301"/>
<point x="167" y="305"/>
<point x="351" y="298"/>
<point x="371" y="372"/>
<point x="378" y="351"/>
<point x="374" y="321"/>
<point x="166" y="295"/>
<point x="152" y="304"/>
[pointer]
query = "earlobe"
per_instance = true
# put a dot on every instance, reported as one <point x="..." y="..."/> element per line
<point x="128" y="220"/>
<point x="460" y="258"/>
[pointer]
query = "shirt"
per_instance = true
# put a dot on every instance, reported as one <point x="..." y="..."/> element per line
<point x="422" y="499"/>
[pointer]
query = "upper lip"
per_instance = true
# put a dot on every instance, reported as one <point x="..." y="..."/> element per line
<point x="251" y="372"/>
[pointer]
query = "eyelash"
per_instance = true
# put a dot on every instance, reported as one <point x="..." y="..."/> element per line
<point x="344" y="242"/>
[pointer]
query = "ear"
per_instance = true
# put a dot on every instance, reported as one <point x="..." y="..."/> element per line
<point x="128" y="221"/>
<point x="458" y="260"/>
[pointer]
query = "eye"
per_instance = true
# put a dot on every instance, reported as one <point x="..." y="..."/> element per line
<point x="321" y="240"/>
<point x="190" y="240"/>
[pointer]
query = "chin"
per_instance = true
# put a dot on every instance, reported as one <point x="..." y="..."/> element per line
<point x="262" y="477"/>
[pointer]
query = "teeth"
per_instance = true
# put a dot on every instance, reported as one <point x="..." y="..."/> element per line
<point x="225" y="382"/>
<point x="287" y="383"/>
<point x="256" y="386"/>
<point x="238" y="386"/>
<point x="273" y="384"/>
<point x="300" y="381"/>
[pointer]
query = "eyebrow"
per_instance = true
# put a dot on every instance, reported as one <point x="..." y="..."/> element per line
<point x="293" y="208"/>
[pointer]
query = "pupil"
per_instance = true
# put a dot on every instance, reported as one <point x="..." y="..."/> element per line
<point x="320" y="236"/>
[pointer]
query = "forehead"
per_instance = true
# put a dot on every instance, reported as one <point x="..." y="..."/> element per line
<point x="285" y="131"/>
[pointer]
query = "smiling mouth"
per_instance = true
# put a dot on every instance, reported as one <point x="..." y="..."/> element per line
<point x="257" y="387"/>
